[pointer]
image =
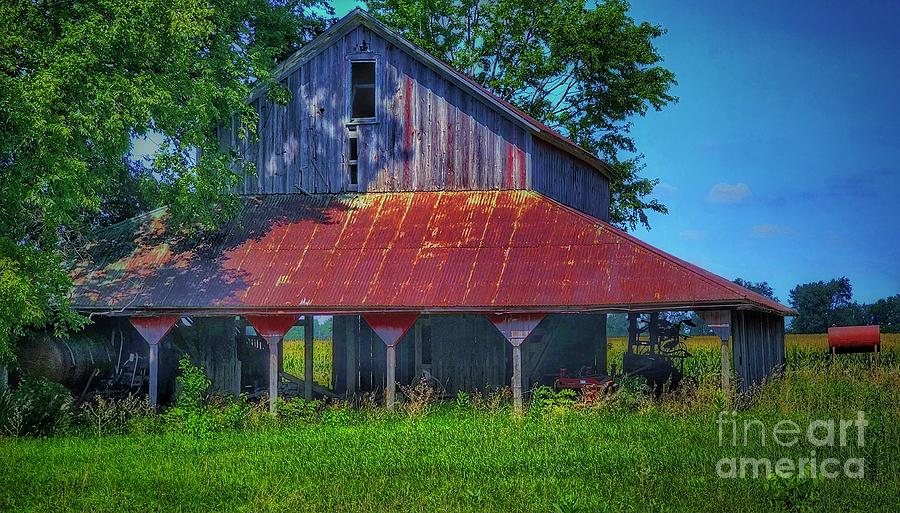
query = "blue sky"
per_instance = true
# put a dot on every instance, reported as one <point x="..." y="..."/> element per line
<point x="781" y="161"/>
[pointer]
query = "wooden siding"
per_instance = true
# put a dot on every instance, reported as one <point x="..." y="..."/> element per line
<point x="430" y="135"/>
<point x="559" y="175"/>
<point x="758" y="346"/>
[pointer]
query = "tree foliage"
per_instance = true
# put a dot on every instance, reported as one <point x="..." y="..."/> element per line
<point x="586" y="71"/>
<point x="820" y="305"/>
<point x="78" y="80"/>
<point x="761" y="287"/>
<point x="886" y="312"/>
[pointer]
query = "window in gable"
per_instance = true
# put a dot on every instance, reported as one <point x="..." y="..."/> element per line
<point x="353" y="160"/>
<point x="362" y="90"/>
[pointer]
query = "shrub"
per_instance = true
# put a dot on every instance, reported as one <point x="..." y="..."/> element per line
<point x="189" y="414"/>
<point x="229" y="412"/>
<point x="546" y="400"/>
<point x="299" y="409"/>
<point x="258" y="416"/>
<point x="190" y="385"/>
<point x="37" y="408"/>
<point x="800" y="493"/>
<point x="633" y="393"/>
<point x="491" y="401"/>
<point x="463" y="400"/>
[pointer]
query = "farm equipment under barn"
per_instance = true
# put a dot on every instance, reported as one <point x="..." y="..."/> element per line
<point x="586" y="377"/>
<point x="658" y="358"/>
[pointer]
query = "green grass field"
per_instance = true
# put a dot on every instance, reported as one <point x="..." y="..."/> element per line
<point x="627" y="454"/>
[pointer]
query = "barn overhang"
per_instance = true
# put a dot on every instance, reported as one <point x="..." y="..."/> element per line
<point x="495" y="252"/>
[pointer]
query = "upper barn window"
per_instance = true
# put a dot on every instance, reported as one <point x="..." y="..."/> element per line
<point x="362" y="90"/>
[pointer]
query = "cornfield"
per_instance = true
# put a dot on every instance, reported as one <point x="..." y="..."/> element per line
<point x="293" y="360"/>
<point x="802" y="352"/>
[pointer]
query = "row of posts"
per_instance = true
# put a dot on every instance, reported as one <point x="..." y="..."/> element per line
<point x="390" y="328"/>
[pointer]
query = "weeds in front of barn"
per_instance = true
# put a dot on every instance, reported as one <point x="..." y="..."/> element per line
<point x="626" y="451"/>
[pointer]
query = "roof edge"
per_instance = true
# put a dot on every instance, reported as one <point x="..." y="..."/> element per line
<point x="486" y="309"/>
<point x="751" y="297"/>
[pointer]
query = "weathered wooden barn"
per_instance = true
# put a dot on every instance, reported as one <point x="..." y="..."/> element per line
<point x="448" y="233"/>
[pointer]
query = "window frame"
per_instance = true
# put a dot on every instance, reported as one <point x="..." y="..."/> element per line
<point x="352" y="133"/>
<point x="362" y="57"/>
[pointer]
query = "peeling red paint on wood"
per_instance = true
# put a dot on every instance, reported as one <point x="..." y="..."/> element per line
<point x="272" y="326"/>
<point x="390" y="327"/>
<point x="516" y="327"/>
<point x="153" y="329"/>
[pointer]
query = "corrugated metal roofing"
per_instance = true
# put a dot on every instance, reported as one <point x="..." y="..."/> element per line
<point x="497" y="251"/>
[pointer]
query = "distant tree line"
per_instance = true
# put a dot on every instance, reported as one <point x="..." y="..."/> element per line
<point x="819" y="305"/>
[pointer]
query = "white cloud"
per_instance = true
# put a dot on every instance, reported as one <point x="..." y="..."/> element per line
<point x="728" y="193"/>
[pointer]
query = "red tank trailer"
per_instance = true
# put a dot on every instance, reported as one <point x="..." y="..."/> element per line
<point x="854" y="339"/>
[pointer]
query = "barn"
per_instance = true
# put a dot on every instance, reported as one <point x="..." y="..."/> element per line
<point x="448" y="234"/>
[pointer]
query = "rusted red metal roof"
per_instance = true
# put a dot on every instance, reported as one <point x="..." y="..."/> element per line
<point x="487" y="251"/>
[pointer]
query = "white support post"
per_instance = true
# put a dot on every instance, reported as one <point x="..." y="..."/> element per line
<point x="308" y="357"/>
<point x="516" y="328"/>
<point x="390" y="328"/>
<point x="273" y="328"/>
<point x="273" y="372"/>
<point x="390" y="388"/>
<point x="152" y="330"/>
<point x="518" y="402"/>
<point x="726" y="366"/>
<point x="154" y="374"/>
<point x="719" y="321"/>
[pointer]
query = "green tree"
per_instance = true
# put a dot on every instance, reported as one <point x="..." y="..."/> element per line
<point x="821" y="304"/>
<point x="324" y="327"/>
<point x="78" y="80"/>
<point x="886" y="312"/>
<point x="761" y="287"/>
<point x="586" y="71"/>
<point x="617" y="325"/>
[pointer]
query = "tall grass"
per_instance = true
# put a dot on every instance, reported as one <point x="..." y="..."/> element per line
<point x="625" y="453"/>
<point x="460" y="459"/>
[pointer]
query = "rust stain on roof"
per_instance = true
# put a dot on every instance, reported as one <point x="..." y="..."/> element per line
<point x="430" y="251"/>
